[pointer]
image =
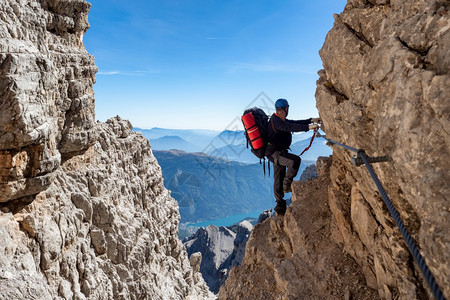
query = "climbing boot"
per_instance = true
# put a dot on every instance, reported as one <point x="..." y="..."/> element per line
<point x="280" y="208"/>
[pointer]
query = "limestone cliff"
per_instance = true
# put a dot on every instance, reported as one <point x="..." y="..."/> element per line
<point x="220" y="248"/>
<point x="84" y="213"/>
<point x="385" y="88"/>
<point x="216" y="246"/>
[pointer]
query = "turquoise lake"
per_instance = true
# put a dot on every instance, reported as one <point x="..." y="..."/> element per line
<point x="227" y="221"/>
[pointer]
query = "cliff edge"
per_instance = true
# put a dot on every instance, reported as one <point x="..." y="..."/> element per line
<point x="83" y="209"/>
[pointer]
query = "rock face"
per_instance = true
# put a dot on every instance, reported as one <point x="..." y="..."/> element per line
<point x="215" y="244"/>
<point x="84" y="212"/>
<point x="242" y="235"/>
<point x="220" y="249"/>
<point x="294" y="257"/>
<point x="385" y="89"/>
<point x="309" y="173"/>
<point x="47" y="100"/>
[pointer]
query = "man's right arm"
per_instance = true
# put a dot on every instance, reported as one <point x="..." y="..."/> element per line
<point x="305" y="122"/>
<point x="279" y="125"/>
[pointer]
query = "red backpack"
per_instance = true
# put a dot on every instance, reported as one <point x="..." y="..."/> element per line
<point x="256" y="124"/>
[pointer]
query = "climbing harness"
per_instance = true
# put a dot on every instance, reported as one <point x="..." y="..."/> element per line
<point x="362" y="158"/>
<point x="316" y="131"/>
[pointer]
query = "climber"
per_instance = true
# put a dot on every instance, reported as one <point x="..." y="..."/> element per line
<point x="279" y="140"/>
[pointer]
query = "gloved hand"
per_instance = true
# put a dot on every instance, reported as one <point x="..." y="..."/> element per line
<point x="313" y="126"/>
<point x="316" y="120"/>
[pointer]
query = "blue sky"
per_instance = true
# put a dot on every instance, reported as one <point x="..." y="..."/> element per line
<point x="198" y="64"/>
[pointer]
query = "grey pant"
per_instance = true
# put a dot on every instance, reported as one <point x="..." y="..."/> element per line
<point x="282" y="160"/>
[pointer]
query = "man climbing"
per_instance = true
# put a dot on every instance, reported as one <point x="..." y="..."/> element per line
<point x="279" y="140"/>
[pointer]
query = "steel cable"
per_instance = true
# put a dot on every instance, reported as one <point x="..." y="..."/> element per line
<point x="412" y="247"/>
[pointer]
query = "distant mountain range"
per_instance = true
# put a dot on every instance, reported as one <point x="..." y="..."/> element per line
<point x="206" y="187"/>
<point x="227" y="145"/>
<point x="211" y="188"/>
<point x="213" y="175"/>
<point x="170" y="142"/>
<point x="197" y="138"/>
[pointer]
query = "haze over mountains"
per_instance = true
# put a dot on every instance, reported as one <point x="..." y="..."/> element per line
<point x="164" y="138"/>
<point x="213" y="175"/>
<point x="228" y="145"/>
<point x="211" y="188"/>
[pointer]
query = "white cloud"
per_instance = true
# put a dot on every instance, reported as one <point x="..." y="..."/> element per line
<point x="108" y="73"/>
<point x="128" y="73"/>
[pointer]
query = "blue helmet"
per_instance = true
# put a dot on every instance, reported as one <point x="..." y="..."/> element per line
<point x="281" y="103"/>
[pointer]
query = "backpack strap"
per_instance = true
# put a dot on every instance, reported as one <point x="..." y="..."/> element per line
<point x="273" y="127"/>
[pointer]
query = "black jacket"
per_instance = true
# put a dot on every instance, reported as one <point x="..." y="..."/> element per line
<point x="279" y="133"/>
